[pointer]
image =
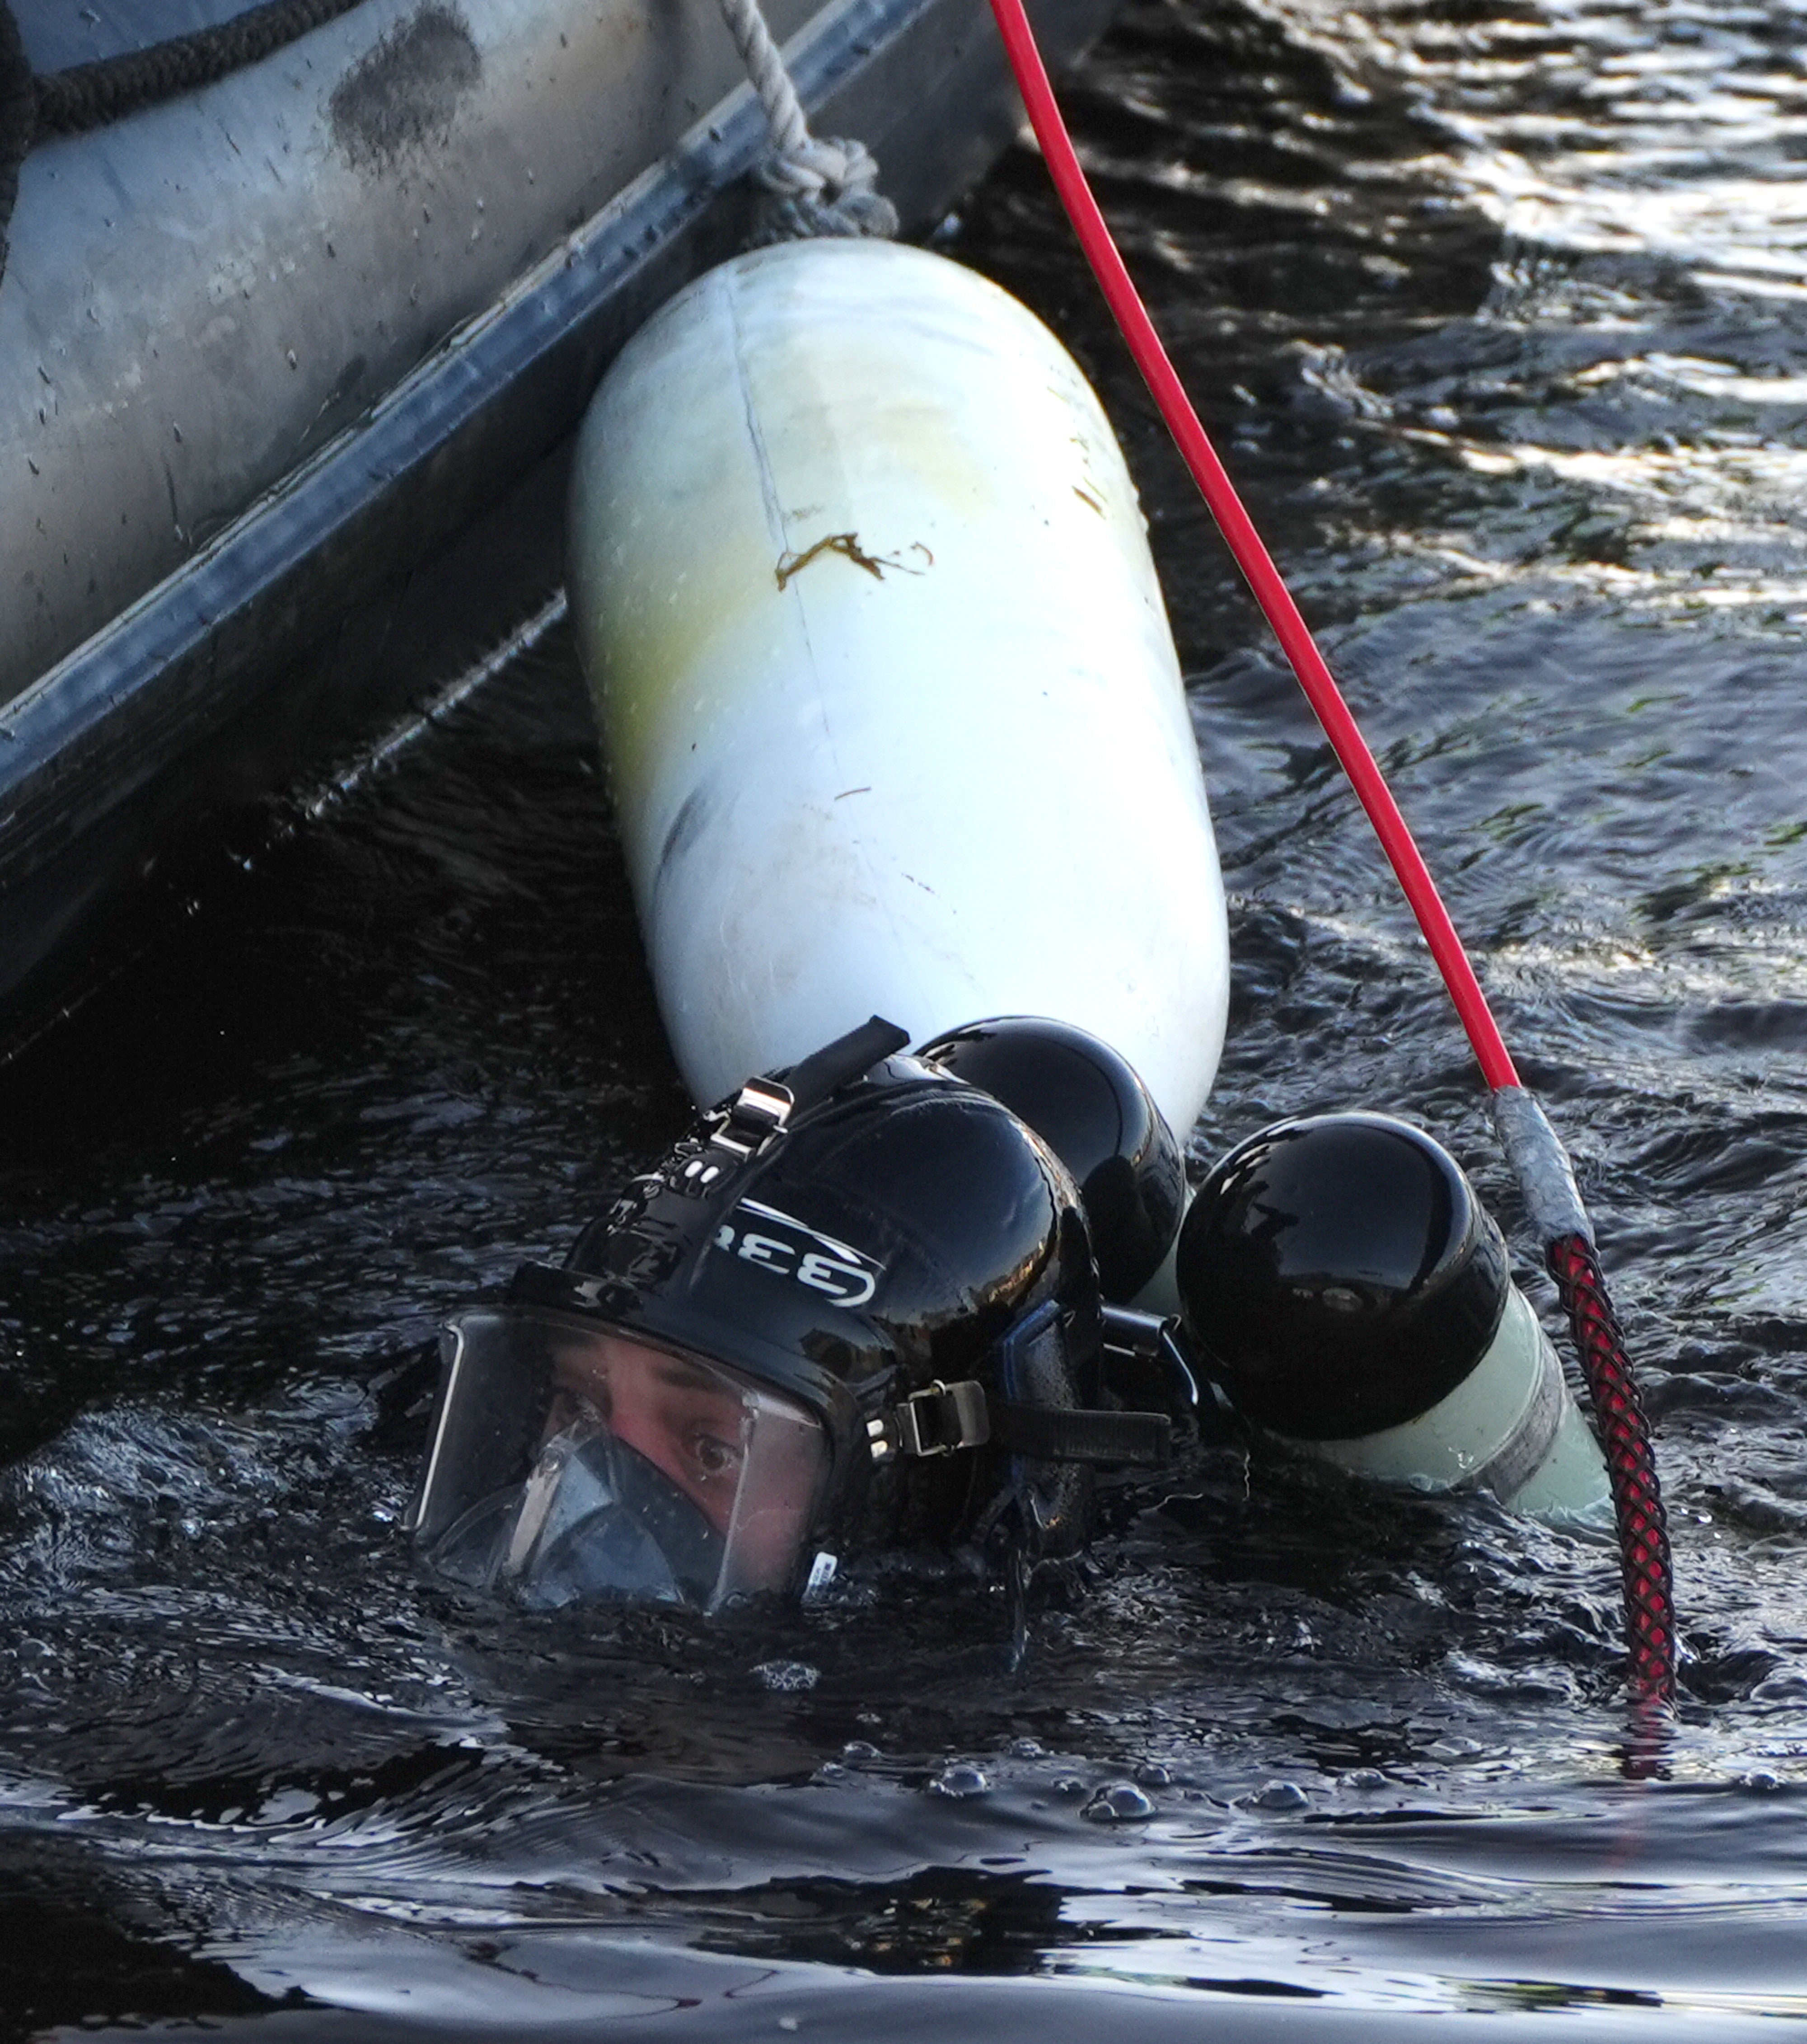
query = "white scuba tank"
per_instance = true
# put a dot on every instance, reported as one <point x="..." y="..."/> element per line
<point x="886" y="686"/>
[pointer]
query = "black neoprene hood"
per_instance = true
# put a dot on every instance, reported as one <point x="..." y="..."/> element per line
<point x="889" y="1238"/>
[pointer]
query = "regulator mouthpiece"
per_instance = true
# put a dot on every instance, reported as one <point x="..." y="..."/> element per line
<point x="1350" y="1293"/>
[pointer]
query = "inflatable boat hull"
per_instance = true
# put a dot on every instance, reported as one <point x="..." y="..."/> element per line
<point x="269" y="350"/>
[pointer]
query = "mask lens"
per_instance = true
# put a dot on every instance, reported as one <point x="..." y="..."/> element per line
<point x="572" y="1463"/>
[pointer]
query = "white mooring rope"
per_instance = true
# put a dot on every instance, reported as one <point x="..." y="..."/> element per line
<point x="813" y="185"/>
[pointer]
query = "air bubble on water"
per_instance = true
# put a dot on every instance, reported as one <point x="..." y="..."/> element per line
<point x="961" y="1778"/>
<point x="1452" y="1748"/>
<point x="786" y="1676"/>
<point x="1277" y="1795"/>
<point x="1120" y="1803"/>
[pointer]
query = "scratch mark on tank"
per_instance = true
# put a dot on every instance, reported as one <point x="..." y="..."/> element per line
<point x="1086" y="497"/>
<point x="686" y="826"/>
<point x="175" y="514"/>
<point x="847" y="545"/>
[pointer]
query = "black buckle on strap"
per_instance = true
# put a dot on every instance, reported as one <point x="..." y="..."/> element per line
<point x="946" y="1417"/>
<point x="932" y="1422"/>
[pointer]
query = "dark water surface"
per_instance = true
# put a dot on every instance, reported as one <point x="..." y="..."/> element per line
<point x="1502" y="314"/>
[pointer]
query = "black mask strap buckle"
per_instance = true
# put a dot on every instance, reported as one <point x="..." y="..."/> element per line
<point x="1150" y="1360"/>
<point x="944" y="1418"/>
<point x="935" y="1421"/>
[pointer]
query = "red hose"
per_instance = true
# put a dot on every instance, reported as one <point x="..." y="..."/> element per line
<point x="1619" y="1417"/>
<point x="1244" y="543"/>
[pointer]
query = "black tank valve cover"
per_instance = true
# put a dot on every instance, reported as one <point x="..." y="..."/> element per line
<point x="1339" y="1276"/>
<point x="1087" y="1104"/>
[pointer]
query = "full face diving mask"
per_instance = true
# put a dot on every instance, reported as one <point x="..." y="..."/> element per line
<point x="574" y="1463"/>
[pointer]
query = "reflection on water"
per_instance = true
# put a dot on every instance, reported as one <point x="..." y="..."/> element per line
<point x="1502" y="321"/>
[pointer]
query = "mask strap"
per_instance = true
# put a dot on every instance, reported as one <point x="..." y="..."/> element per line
<point x="942" y="1419"/>
<point x="848" y="1058"/>
<point x="1076" y="1434"/>
<point x="742" y="1126"/>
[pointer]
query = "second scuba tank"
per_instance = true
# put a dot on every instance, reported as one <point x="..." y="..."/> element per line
<point x="889" y="699"/>
<point x="1350" y="1294"/>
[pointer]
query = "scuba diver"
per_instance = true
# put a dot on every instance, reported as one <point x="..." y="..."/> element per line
<point x="857" y="1307"/>
<point x="880" y="1301"/>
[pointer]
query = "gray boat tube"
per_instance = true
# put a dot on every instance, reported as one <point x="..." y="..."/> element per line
<point x="350" y="505"/>
<point x="200" y="295"/>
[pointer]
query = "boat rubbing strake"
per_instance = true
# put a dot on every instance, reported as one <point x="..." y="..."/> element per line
<point x="290" y="363"/>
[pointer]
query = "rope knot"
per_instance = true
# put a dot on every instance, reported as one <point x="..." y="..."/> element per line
<point x="822" y="185"/>
<point x="812" y="186"/>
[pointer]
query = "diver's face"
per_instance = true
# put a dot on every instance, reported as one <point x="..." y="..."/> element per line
<point x="697" y="1427"/>
<point x="684" y="1419"/>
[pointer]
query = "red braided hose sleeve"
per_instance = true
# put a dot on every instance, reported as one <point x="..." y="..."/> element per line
<point x="1631" y="1466"/>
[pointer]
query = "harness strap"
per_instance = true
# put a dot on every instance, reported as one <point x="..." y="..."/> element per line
<point x="763" y="1107"/>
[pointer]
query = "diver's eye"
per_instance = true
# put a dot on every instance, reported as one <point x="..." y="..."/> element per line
<point x="713" y="1455"/>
